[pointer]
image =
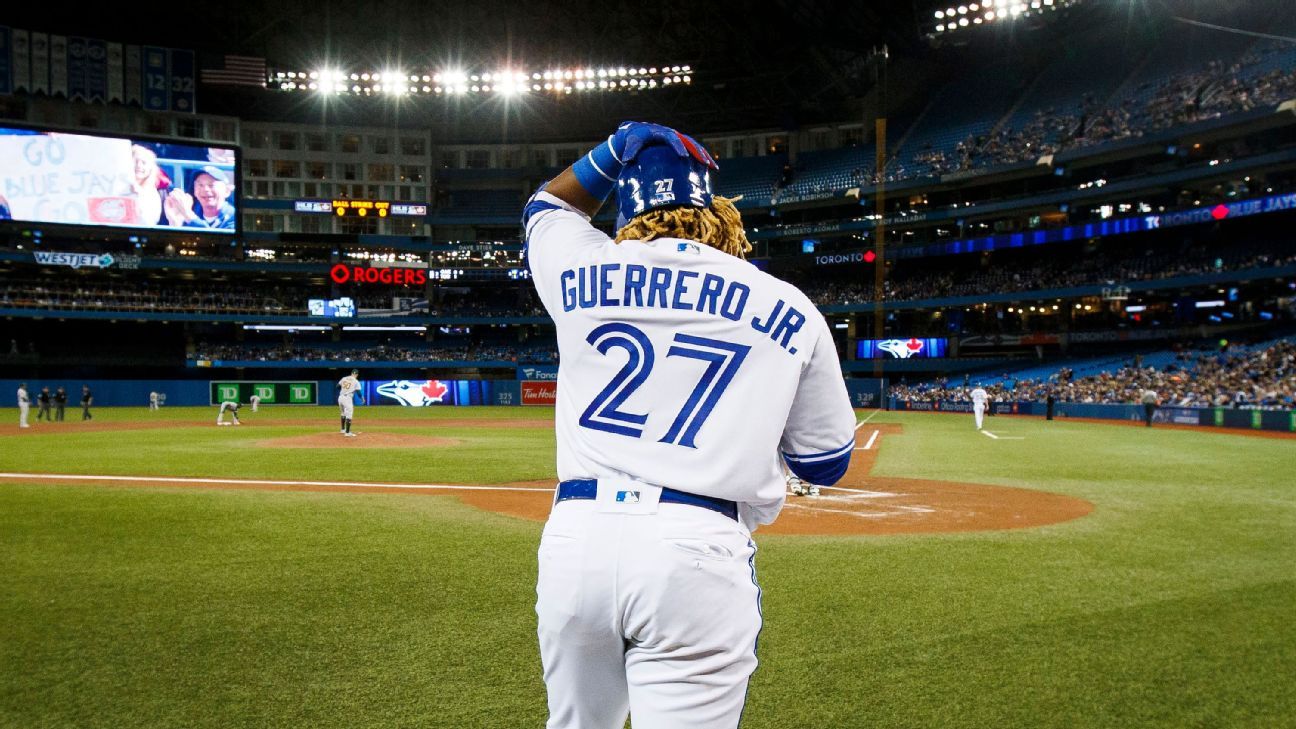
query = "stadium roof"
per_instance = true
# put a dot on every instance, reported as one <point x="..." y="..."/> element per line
<point x="758" y="64"/>
<point x="781" y="65"/>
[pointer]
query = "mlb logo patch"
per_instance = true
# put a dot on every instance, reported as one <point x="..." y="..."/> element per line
<point x="627" y="497"/>
<point x="687" y="248"/>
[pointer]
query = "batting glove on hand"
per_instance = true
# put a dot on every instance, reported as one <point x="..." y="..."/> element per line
<point x="631" y="137"/>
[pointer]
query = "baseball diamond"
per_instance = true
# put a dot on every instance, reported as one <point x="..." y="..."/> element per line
<point x="425" y="576"/>
<point x="582" y="365"/>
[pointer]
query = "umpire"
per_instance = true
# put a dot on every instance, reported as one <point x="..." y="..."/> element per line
<point x="43" y="401"/>
<point x="60" y="402"/>
<point x="87" y="399"/>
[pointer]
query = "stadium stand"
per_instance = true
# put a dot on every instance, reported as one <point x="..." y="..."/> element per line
<point x="1260" y="376"/>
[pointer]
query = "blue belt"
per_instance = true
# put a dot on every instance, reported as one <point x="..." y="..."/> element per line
<point x="587" y="488"/>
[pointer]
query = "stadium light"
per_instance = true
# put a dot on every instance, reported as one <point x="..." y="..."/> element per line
<point x="505" y="82"/>
<point x="990" y="11"/>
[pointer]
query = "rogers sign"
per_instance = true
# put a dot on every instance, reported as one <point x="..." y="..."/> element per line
<point x="342" y="273"/>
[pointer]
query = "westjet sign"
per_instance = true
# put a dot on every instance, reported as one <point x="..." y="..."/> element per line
<point x="73" y="260"/>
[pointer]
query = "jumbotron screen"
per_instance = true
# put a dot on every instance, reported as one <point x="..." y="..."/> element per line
<point x="912" y="348"/>
<point x="81" y="179"/>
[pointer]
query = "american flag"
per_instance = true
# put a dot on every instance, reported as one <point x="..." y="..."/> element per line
<point x="237" y="71"/>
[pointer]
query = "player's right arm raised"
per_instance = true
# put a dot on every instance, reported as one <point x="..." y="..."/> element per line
<point x="556" y="220"/>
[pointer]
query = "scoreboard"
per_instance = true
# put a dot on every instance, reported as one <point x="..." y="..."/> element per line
<point x="361" y="208"/>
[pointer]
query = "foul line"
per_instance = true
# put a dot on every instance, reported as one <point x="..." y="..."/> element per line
<point x="865" y="420"/>
<point x="252" y="482"/>
<point x="868" y="494"/>
<point x="871" y="440"/>
<point x="988" y="434"/>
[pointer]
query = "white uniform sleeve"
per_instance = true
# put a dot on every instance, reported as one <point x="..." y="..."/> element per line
<point x="820" y="432"/>
<point x="556" y="235"/>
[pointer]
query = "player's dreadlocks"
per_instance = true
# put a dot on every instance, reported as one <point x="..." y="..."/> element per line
<point x="719" y="227"/>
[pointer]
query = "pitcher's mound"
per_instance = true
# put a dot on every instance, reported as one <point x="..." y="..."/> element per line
<point x="361" y="440"/>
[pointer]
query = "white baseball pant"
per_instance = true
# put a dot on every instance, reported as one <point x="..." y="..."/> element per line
<point x="978" y="411"/>
<point x="655" y="614"/>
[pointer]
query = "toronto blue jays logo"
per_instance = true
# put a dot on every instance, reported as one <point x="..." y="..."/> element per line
<point x="414" y="394"/>
<point x="900" y="348"/>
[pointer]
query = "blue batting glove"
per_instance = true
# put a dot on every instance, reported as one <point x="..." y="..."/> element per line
<point x="598" y="170"/>
<point x="634" y="136"/>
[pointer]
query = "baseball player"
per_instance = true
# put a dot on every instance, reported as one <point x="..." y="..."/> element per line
<point x="255" y="400"/>
<point x="347" y="388"/>
<point x="24" y="405"/>
<point x="153" y="400"/>
<point x="979" y="397"/>
<point x="231" y="407"/>
<point x="684" y="370"/>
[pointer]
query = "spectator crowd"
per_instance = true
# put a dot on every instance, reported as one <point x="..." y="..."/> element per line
<point x="1262" y="378"/>
<point x="1217" y="89"/>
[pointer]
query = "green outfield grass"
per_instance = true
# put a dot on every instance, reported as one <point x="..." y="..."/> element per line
<point x="1172" y="605"/>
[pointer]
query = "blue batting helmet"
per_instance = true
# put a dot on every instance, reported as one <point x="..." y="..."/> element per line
<point x="674" y="172"/>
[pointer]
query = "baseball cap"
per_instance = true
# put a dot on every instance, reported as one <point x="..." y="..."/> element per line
<point x="660" y="176"/>
<point x="216" y="173"/>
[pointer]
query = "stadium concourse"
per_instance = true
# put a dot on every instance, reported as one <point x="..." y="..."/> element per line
<point x="1081" y="209"/>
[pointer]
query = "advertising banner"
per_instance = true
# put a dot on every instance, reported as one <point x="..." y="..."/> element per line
<point x="1181" y="416"/>
<point x="426" y="393"/>
<point x="271" y="393"/>
<point x="539" y="393"/>
<point x="73" y="260"/>
<point x="538" y="372"/>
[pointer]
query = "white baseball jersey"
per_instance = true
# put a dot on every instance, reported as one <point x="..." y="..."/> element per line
<point x="348" y="386"/>
<point x="22" y="397"/>
<point x="979" y="397"/>
<point x="685" y="367"/>
<point x="229" y="405"/>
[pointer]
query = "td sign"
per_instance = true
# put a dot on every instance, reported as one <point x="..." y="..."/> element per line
<point x="284" y="393"/>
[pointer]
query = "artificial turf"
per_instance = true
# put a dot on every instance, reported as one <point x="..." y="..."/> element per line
<point x="1171" y="605"/>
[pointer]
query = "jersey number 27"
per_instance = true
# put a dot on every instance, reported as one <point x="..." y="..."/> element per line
<point x="722" y="362"/>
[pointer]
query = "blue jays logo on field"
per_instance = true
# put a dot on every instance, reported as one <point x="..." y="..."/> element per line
<point x="414" y="394"/>
<point x="901" y="349"/>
